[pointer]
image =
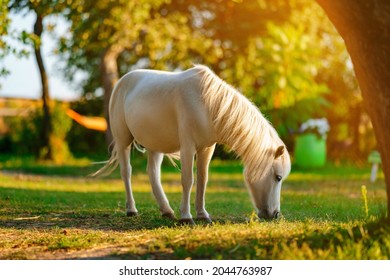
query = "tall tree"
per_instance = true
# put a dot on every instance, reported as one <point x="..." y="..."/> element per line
<point x="41" y="9"/>
<point x="46" y="125"/>
<point x="364" y="26"/>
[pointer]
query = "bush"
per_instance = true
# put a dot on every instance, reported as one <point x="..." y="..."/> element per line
<point x="25" y="134"/>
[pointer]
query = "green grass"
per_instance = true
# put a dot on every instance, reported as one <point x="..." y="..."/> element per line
<point x="57" y="212"/>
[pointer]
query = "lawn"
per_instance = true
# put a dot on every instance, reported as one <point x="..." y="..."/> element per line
<point x="58" y="212"/>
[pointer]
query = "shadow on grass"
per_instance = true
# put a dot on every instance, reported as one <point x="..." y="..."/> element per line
<point x="43" y="209"/>
<point x="26" y="209"/>
<point x="361" y="242"/>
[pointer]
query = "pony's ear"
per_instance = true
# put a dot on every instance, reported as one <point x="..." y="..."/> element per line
<point x="279" y="151"/>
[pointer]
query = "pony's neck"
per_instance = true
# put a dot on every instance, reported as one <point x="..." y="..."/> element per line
<point x="254" y="143"/>
<point x="239" y="125"/>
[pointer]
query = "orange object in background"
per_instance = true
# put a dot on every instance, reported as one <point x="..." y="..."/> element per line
<point x="94" y="123"/>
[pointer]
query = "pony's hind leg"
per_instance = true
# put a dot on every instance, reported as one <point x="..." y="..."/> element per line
<point x="187" y="180"/>
<point x="203" y="158"/>
<point x="154" y="171"/>
<point x="125" y="168"/>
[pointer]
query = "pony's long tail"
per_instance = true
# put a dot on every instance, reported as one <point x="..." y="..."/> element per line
<point x="110" y="164"/>
<point x="171" y="157"/>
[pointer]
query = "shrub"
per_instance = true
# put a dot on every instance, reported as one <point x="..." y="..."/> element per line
<point x="25" y="134"/>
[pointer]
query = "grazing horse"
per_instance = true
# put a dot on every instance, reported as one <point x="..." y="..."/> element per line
<point x="187" y="113"/>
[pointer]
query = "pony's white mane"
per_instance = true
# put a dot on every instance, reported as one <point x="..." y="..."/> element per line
<point x="239" y="124"/>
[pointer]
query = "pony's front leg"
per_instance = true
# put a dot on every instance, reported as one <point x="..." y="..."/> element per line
<point x="187" y="180"/>
<point x="203" y="158"/>
<point x="125" y="167"/>
<point x="154" y="171"/>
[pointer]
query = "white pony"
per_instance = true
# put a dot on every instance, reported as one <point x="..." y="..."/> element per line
<point x="187" y="113"/>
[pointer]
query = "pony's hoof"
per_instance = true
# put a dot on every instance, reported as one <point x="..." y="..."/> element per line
<point x="169" y="216"/>
<point x="189" y="222"/>
<point x="131" y="214"/>
<point x="205" y="220"/>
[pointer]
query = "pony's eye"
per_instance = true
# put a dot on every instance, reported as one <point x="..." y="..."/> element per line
<point x="278" y="178"/>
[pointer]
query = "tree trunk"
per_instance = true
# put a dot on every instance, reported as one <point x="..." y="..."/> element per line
<point x="109" y="77"/>
<point x="365" y="28"/>
<point x="46" y="125"/>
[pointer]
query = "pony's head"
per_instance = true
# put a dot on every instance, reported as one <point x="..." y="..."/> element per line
<point x="265" y="190"/>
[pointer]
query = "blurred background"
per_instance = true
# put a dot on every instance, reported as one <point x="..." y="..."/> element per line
<point x="59" y="61"/>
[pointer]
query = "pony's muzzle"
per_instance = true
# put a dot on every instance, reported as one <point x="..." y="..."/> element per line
<point x="265" y="214"/>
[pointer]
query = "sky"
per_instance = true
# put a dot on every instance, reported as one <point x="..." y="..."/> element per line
<point x="24" y="80"/>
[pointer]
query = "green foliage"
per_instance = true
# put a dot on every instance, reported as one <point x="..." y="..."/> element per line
<point x="289" y="68"/>
<point x="60" y="121"/>
<point x="25" y="134"/>
<point x="232" y="24"/>
<point x="5" y="21"/>
<point x="4" y="26"/>
<point x="40" y="7"/>
<point x="278" y="72"/>
<point x="61" y="125"/>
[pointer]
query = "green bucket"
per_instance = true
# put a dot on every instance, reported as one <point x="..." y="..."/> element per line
<point x="310" y="151"/>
